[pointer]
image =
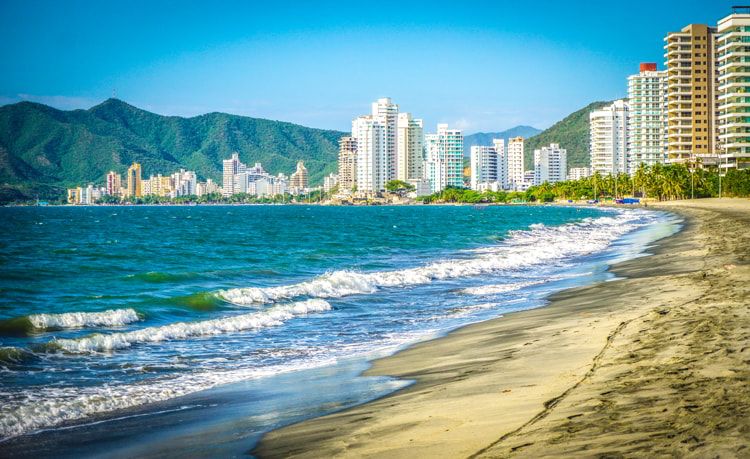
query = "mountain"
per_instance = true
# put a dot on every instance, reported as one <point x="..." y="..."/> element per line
<point x="43" y="150"/>
<point x="485" y="138"/>
<point x="572" y="133"/>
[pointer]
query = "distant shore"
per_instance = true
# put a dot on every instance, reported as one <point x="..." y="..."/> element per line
<point x="651" y="364"/>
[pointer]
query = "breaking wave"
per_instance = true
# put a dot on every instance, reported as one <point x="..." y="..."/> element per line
<point x="270" y="317"/>
<point x="523" y="248"/>
<point x="33" y="322"/>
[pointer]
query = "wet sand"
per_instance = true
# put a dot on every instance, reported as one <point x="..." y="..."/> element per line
<point x="656" y="364"/>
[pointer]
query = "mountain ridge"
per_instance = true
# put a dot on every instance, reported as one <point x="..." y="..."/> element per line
<point x="43" y="148"/>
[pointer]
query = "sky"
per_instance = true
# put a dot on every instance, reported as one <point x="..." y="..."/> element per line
<point x="479" y="66"/>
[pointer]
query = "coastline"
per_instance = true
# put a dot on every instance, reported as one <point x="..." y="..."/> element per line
<point x="651" y="362"/>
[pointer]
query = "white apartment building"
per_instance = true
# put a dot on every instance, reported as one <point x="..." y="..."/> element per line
<point x="577" y="173"/>
<point x="732" y="51"/>
<point x="489" y="165"/>
<point x="373" y="163"/>
<point x="608" y="134"/>
<point x="483" y="165"/>
<point x="550" y="164"/>
<point x="410" y="142"/>
<point x="647" y="96"/>
<point x="184" y="183"/>
<point x="444" y="165"/>
<point x="515" y="163"/>
<point x="231" y="167"/>
<point x="386" y="108"/>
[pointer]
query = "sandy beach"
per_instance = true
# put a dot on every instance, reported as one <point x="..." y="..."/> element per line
<point x="655" y="363"/>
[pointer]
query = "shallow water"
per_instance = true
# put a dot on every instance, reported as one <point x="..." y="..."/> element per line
<point x="112" y="308"/>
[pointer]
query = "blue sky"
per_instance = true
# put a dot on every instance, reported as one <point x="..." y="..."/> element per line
<point x="480" y="66"/>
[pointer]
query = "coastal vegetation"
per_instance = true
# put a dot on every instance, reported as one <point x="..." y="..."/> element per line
<point x="658" y="182"/>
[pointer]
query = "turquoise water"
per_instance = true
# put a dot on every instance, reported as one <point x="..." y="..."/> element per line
<point x="105" y="309"/>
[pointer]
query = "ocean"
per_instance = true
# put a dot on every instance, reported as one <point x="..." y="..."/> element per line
<point x="127" y="330"/>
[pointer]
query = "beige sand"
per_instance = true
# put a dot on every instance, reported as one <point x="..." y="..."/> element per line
<point x="653" y="365"/>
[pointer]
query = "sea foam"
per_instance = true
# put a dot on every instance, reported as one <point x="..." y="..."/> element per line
<point x="270" y="317"/>
<point x="110" y="318"/>
<point x="537" y="245"/>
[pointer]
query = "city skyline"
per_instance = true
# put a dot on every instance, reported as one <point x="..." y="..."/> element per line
<point x="317" y="64"/>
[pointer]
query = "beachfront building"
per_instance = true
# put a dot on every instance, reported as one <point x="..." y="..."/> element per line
<point x="577" y="173"/>
<point x="184" y="183"/>
<point x="231" y="167"/>
<point x="515" y="163"/>
<point x="299" y="177"/>
<point x="347" y="163"/>
<point x="690" y="62"/>
<point x="647" y="122"/>
<point x="489" y="164"/>
<point x="134" y="181"/>
<point x="444" y="165"/>
<point x="386" y="109"/>
<point x="550" y="164"/>
<point x="733" y="55"/>
<point x="373" y="166"/>
<point x="114" y="183"/>
<point x="608" y="135"/>
<point x="410" y="147"/>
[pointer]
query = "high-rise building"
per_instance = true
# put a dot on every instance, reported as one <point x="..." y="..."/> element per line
<point x="410" y="149"/>
<point x="732" y="49"/>
<point x="691" y="106"/>
<point x="386" y="108"/>
<point x="373" y="167"/>
<point x="608" y="133"/>
<point x="134" y="180"/>
<point x="347" y="163"/>
<point x="647" y="128"/>
<point x="114" y="183"/>
<point x="184" y="183"/>
<point x="231" y="167"/>
<point x="550" y="164"/>
<point x="483" y="165"/>
<point x="489" y="166"/>
<point x="515" y="163"/>
<point x="445" y="150"/>
<point x="299" y="177"/>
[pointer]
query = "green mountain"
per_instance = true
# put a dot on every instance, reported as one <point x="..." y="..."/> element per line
<point x="485" y="138"/>
<point x="572" y="133"/>
<point x="43" y="150"/>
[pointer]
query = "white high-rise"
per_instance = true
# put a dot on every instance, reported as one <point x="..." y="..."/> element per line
<point x="373" y="166"/>
<point x="386" y="108"/>
<point x="608" y="133"/>
<point x="733" y="47"/>
<point x="410" y="142"/>
<point x="647" y="133"/>
<point x="232" y="167"/>
<point x="550" y="164"/>
<point x="515" y="163"/>
<point x="489" y="165"/>
<point x="444" y="165"/>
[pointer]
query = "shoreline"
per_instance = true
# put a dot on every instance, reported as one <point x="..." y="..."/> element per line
<point x="542" y="382"/>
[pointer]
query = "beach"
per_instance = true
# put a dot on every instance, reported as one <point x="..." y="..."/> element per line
<point x="652" y="363"/>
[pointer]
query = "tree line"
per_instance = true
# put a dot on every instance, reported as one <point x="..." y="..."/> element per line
<point x="662" y="182"/>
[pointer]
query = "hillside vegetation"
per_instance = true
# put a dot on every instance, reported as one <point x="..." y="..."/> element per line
<point x="485" y="138"/>
<point x="572" y="133"/>
<point x="43" y="150"/>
